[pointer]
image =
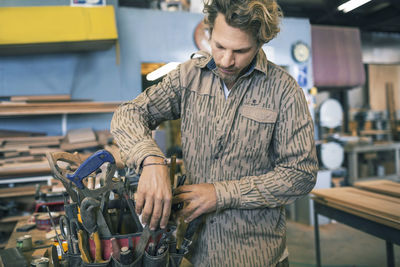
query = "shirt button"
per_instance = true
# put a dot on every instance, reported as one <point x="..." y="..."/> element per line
<point x="216" y="157"/>
<point x="212" y="220"/>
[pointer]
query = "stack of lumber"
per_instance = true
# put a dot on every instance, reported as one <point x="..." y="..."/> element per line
<point x="51" y="104"/>
<point x="377" y="207"/>
<point x="23" y="156"/>
<point x="386" y="187"/>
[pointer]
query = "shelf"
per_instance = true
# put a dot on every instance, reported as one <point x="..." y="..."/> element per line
<point x="352" y="160"/>
<point x="23" y="109"/>
<point x="45" y="29"/>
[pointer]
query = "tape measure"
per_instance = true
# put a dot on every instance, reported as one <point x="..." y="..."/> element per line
<point x="41" y="262"/>
<point x="24" y="243"/>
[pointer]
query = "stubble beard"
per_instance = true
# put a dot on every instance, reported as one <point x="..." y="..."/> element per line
<point x="228" y="79"/>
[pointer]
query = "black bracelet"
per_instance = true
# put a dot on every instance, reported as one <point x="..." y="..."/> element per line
<point x="156" y="163"/>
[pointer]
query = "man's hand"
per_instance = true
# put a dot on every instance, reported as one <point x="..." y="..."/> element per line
<point x="154" y="197"/>
<point x="200" y="199"/>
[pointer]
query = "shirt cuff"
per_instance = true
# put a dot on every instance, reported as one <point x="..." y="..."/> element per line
<point x="139" y="152"/>
<point x="228" y="194"/>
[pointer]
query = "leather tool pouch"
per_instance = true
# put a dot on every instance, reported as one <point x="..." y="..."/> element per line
<point x="135" y="242"/>
<point x="73" y="259"/>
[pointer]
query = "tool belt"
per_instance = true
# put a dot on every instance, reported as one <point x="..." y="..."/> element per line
<point x="167" y="258"/>
<point x="94" y="236"/>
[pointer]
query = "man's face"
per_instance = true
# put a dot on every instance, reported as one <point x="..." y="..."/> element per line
<point x="232" y="49"/>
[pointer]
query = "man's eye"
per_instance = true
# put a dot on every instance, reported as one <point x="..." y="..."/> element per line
<point x="241" y="51"/>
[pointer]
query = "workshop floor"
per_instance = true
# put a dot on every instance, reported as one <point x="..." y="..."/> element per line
<point x="341" y="246"/>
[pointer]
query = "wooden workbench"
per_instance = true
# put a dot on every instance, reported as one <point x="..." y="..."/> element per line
<point x="36" y="235"/>
<point x="368" y="208"/>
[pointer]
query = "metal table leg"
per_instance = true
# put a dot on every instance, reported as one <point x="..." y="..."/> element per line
<point x="389" y="254"/>
<point x="316" y="235"/>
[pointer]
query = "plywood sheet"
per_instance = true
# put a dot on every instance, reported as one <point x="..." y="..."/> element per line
<point x="378" y="205"/>
<point x="385" y="187"/>
<point x="41" y="98"/>
<point x="81" y="135"/>
<point x="76" y="146"/>
<point x="378" y="76"/>
<point x="361" y="214"/>
<point x="16" y="108"/>
<point x="29" y="139"/>
<point x="21" y="169"/>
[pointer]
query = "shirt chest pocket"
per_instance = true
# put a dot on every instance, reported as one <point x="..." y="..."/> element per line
<point x="254" y="129"/>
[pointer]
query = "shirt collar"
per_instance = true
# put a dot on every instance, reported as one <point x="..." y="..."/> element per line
<point x="259" y="63"/>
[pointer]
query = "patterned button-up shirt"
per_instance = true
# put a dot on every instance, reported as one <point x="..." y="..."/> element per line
<point x="256" y="146"/>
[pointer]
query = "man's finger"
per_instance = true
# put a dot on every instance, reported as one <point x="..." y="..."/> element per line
<point x="194" y="215"/>
<point x="139" y="203"/>
<point x="188" y="210"/>
<point x="156" y="215"/>
<point x="166" y="213"/>
<point x="182" y="197"/>
<point x="147" y="210"/>
<point x="183" y="189"/>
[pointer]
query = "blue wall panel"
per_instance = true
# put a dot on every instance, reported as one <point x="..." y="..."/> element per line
<point x="144" y="36"/>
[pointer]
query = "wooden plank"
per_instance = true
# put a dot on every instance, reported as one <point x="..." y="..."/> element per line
<point x="358" y="213"/>
<point x="9" y="133"/>
<point x="21" y="191"/>
<point x="78" y="146"/>
<point x="22" y="169"/>
<point x="40" y="98"/>
<point x="363" y="210"/>
<point x="104" y="137"/>
<point x="35" y="233"/>
<point x="370" y="203"/>
<point x="386" y="187"/>
<point x="14" y="218"/>
<point x="81" y="135"/>
<point x="44" y="144"/>
<point x="378" y="76"/>
<point x="391" y="111"/>
<point x="43" y="150"/>
<point x="14" y="148"/>
<point x="21" y="159"/>
<point x="29" y="139"/>
<point x="15" y="108"/>
<point x="11" y="154"/>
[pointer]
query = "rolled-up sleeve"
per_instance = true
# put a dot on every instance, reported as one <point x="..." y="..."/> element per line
<point x="295" y="163"/>
<point x="133" y="121"/>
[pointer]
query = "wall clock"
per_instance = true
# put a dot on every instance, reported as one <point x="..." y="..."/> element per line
<point x="300" y="52"/>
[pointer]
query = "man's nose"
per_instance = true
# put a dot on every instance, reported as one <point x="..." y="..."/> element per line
<point x="227" y="59"/>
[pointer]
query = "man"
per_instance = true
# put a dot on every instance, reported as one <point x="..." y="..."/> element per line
<point x="247" y="140"/>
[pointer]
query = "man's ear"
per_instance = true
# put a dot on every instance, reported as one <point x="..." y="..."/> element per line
<point x="260" y="44"/>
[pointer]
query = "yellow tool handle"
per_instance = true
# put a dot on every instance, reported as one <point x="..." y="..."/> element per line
<point x="180" y="232"/>
<point x="97" y="242"/>
<point x="79" y="214"/>
<point x="83" y="247"/>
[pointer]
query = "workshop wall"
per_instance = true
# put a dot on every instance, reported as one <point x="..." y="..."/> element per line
<point x="144" y="36"/>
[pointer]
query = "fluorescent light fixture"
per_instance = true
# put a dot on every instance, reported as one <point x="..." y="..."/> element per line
<point x="158" y="73"/>
<point x="352" y="4"/>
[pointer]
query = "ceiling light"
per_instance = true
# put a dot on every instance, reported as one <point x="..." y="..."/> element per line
<point x="158" y="73"/>
<point x="352" y="4"/>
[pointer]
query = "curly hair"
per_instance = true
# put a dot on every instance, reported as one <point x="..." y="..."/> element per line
<point x="260" y="17"/>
